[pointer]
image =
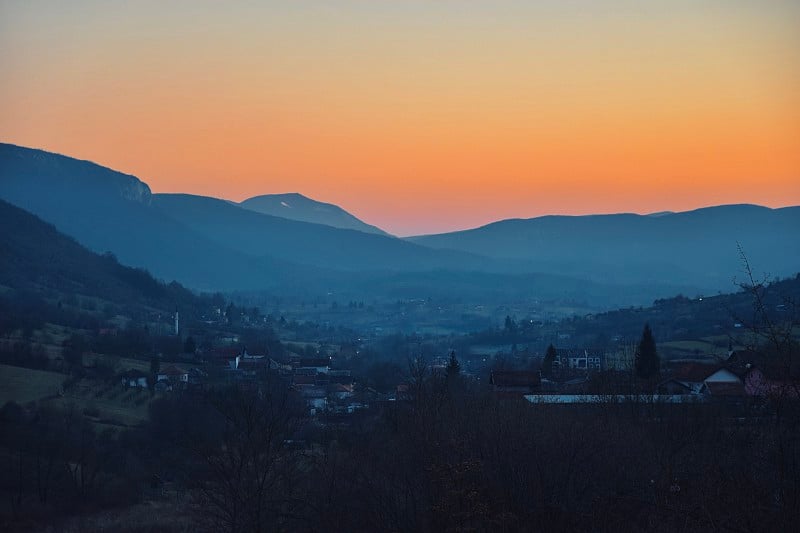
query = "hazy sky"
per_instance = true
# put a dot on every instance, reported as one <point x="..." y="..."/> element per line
<point x="419" y="116"/>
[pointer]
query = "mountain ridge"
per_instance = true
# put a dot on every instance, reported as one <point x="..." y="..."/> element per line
<point x="296" y="206"/>
<point x="701" y="244"/>
<point x="212" y="244"/>
<point x="309" y="243"/>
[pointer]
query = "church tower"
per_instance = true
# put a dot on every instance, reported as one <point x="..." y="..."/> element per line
<point x="177" y="330"/>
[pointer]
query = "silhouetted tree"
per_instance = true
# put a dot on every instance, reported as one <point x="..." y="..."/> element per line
<point x="646" y="359"/>
<point x="189" y="346"/>
<point x="453" y="366"/>
<point x="510" y="325"/>
<point x="547" y="362"/>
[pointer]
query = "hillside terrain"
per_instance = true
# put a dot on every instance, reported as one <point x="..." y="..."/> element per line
<point x="318" y="245"/>
<point x="38" y="258"/>
<point x="698" y="247"/>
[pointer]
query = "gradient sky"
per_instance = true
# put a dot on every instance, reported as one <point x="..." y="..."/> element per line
<point x="419" y="116"/>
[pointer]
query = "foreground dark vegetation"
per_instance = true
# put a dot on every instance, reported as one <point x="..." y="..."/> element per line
<point x="451" y="456"/>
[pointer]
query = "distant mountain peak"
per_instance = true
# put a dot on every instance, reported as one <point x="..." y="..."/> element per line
<point x="296" y="206"/>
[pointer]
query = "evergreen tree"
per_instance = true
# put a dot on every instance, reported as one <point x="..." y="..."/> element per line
<point x="547" y="362"/>
<point x="510" y="325"/>
<point x="453" y="366"/>
<point x="646" y="359"/>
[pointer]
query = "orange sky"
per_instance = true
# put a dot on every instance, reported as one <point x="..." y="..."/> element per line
<point x="419" y="116"/>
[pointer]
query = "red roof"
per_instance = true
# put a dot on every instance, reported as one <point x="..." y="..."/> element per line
<point x="173" y="370"/>
<point x="719" y="388"/>
<point x="693" y="372"/>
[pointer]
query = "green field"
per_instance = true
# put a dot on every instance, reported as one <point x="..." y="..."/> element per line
<point x="24" y="385"/>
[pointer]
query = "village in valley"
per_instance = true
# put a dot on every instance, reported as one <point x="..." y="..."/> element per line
<point x="338" y="372"/>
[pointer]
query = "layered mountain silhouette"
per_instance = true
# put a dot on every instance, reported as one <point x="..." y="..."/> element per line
<point x="313" y="244"/>
<point x="106" y="210"/>
<point x="211" y="244"/>
<point x="37" y="257"/>
<point x="295" y="206"/>
<point x="206" y="243"/>
<point x="701" y="245"/>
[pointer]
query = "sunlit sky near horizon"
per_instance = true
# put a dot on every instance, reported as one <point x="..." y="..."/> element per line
<point x="419" y="117"/>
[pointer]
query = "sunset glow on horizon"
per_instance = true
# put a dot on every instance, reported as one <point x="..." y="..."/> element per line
<point x="419" y="117"/>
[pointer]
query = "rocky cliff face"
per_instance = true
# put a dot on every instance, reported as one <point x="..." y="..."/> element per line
<point x="136" y="190"/>
<point x="26" y="174"/>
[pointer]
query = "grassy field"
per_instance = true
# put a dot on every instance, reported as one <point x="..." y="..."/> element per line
<point x="102" y="401"/>
<point x="126" y="363"/>
<point x="24" y="385"/>
<point x="107" y="401"/>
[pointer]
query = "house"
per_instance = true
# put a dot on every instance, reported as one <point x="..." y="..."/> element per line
<point x="134" y="379"/>
<point x="700" y="378"/>
<point x="280" y="367"/>
<point x="687" y="378"/>
<point x="173" y="374"/>
<point x="227" y="356"/>
<point x="515" y="381"/>
<point x="723" y="389"/>
<point x="584" y="359"/>
<point x="320" y="364"/>
<point x="561" y="361"/>
<point x="340" y="376"/>
<point x="572" y="359"/>
<point x="315" y="398"/>
<point x="674" y="386"/>
<point x="595" y="359"/>
<point x="340" y="391"/>
<point x="252" y="363"/>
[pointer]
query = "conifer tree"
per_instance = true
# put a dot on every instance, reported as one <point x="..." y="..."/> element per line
<point x="547" y="362"/>
<point x="646" y="359"/>
<point x="453" y="366"/>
